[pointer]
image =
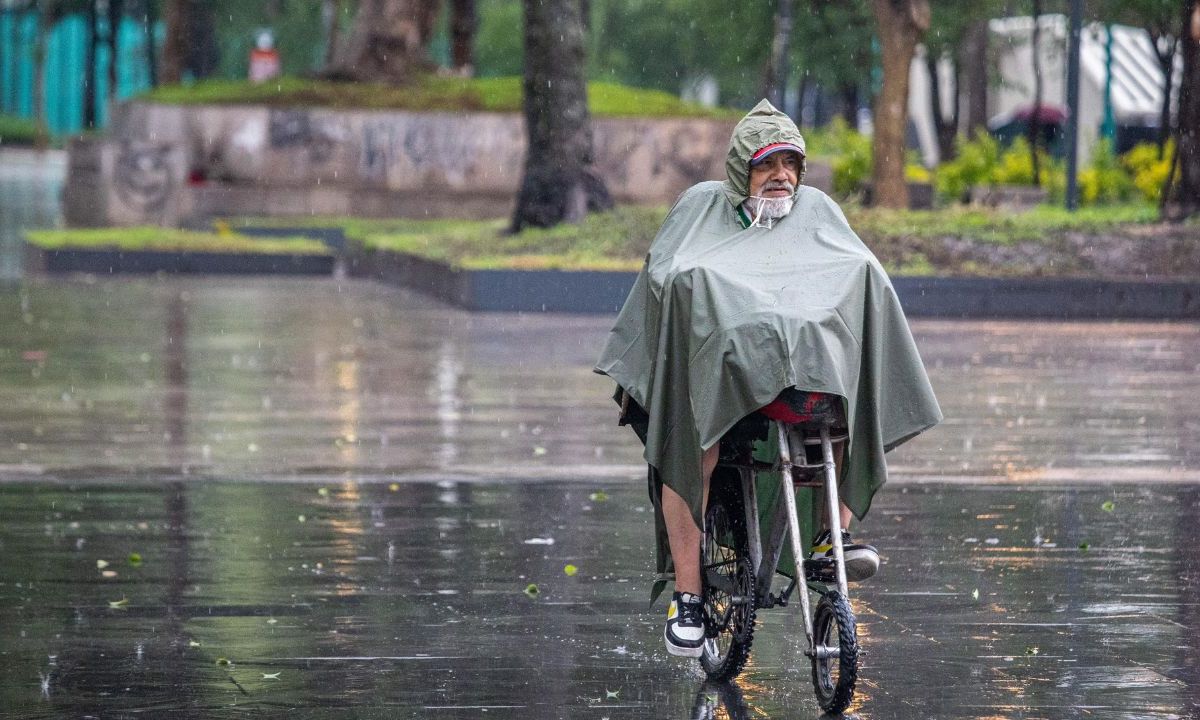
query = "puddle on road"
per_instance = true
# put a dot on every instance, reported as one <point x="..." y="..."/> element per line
<point x="370" y="600"/>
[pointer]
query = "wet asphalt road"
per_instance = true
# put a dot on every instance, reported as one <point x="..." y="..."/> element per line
<point x="332" y="487"/>
<point x="316" y="500"/>
<point x="346" y="600"/>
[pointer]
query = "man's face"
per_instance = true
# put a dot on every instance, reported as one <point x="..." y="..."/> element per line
<point x="776" y="176"/>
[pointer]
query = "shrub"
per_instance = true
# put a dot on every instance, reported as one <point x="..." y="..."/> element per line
<point x="918" y="173"/>
<point x="976" y="161"/>
<point x="1104" y="181"/>
<point x="1015" y="166"/>
<point x="1148" y="171"/>
<point x="848" y="152"/>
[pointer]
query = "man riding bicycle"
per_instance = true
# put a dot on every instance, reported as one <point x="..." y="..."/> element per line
<point x="752" y="287"/>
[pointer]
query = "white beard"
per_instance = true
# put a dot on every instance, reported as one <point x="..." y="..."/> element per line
<point x="770" y="209"/>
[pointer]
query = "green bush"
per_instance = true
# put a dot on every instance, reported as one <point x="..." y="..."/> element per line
<point x="1148" y="170"/>
<point x="976" y="161"/>
<point x="849" y="153"/>
<point x="1104" y="181"/>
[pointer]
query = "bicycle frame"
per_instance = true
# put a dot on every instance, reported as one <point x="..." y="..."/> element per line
<point x="785" y="524"/>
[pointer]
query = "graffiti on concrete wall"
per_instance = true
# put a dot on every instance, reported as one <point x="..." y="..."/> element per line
<point x="298" y="129"/>
<point x="378" y="150"/>
<point x="432" y="150"/>
<point x="142" y="175"/>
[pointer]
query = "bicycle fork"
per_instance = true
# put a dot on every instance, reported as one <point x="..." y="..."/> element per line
<point x="835" y="523"/>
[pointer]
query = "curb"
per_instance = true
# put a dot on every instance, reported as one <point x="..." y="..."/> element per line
<point x="1048" y="298"/>
<point x="105" y="262"/>
<point x="604" y="292"/>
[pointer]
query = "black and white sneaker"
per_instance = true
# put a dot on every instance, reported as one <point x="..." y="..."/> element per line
<point x="685" y="625"/>
<point x="862" y="561"/>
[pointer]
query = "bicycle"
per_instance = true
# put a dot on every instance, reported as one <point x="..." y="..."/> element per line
<point x="740" y="556"/>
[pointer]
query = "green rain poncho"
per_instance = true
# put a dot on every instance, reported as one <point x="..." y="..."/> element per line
<point x="723" y="317"/>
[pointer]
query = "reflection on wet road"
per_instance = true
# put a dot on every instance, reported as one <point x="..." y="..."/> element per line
<point x="346" y="599"/>
<point x="299" y="377"/>
<point x="338" y="493"/>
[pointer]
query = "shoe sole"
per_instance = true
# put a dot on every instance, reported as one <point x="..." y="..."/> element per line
<point x="680" y="650"/>
<point x="860" y="565"/>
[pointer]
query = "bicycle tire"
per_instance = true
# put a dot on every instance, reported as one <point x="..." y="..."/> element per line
<point x="726" y="573"/>
<point x="835" y="618"/>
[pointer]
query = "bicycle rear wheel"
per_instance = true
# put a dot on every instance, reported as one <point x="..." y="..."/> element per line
<point x="835" y="662"/>
<point x="728" y="579"/>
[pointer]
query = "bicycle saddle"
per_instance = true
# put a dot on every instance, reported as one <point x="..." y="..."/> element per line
<point x="804" y="407"/>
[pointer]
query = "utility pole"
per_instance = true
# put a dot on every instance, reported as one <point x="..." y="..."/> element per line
<point x="1108" y="128"/>
<point x="1073" y="106"/>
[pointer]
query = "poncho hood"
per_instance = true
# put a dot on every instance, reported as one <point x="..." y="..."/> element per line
<point x="762" y="126"/>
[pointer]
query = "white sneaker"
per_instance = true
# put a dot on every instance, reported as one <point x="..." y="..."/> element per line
<point x="862" y="561"/>
<point x="684" y="633"/>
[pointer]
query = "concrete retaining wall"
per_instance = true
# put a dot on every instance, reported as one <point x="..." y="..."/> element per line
<point x="604" y="292"/>
<point x="171" y="165"/>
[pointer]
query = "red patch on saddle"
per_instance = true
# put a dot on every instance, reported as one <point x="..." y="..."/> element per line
<point x="781" y="411"/>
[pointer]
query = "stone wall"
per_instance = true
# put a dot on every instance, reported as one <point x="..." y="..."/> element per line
<point x="172" y="165"/>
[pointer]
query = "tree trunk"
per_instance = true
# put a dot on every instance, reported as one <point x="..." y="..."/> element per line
<point x="1164" y="50"/>
<point x="1184" y="195"/>
<point x="776" y="76"/>
<point x="151" y="19"/>
<point x="462" y="36"/>
<point x="560" y="184"/>
<point x="387" y="42"/>
<point x="944" y="128"/>
<point x="175" y="45"/>
<point x="115" y="12"/>
<point x="39" y="77"/>
<point x="973" y="61"/>
<point x="331" y="14"/>
<point x="901" y="24"/>
<point x="89" y="66"/>
<point x="1034" y="129"/>
<point x="848" y="100"/>
<point x="203" y="56"/>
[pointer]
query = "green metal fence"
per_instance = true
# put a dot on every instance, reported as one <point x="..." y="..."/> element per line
<point x="65" y="70"/>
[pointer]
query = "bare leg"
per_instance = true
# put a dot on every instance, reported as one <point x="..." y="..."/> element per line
<point x="682" y="533"/>
<point x="845" y="514"/>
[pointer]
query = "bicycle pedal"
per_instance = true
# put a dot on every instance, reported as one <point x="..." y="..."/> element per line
<point x="823" y="570"/>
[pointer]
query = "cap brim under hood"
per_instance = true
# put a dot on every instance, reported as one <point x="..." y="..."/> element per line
<point x="762" y="126"/>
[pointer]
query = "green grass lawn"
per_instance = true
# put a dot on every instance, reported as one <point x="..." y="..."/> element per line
<point x="17" y="130"/>
<point x="428" y="92"/>
<point x="906" y="242"/>
<point x="168" y="240"/>
<point x="615" y="240"/>
<point x="987" y="225"/>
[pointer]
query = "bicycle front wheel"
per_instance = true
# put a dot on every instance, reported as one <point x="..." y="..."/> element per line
<point x="728" y="587"/>
<point x="835" y="660"/>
